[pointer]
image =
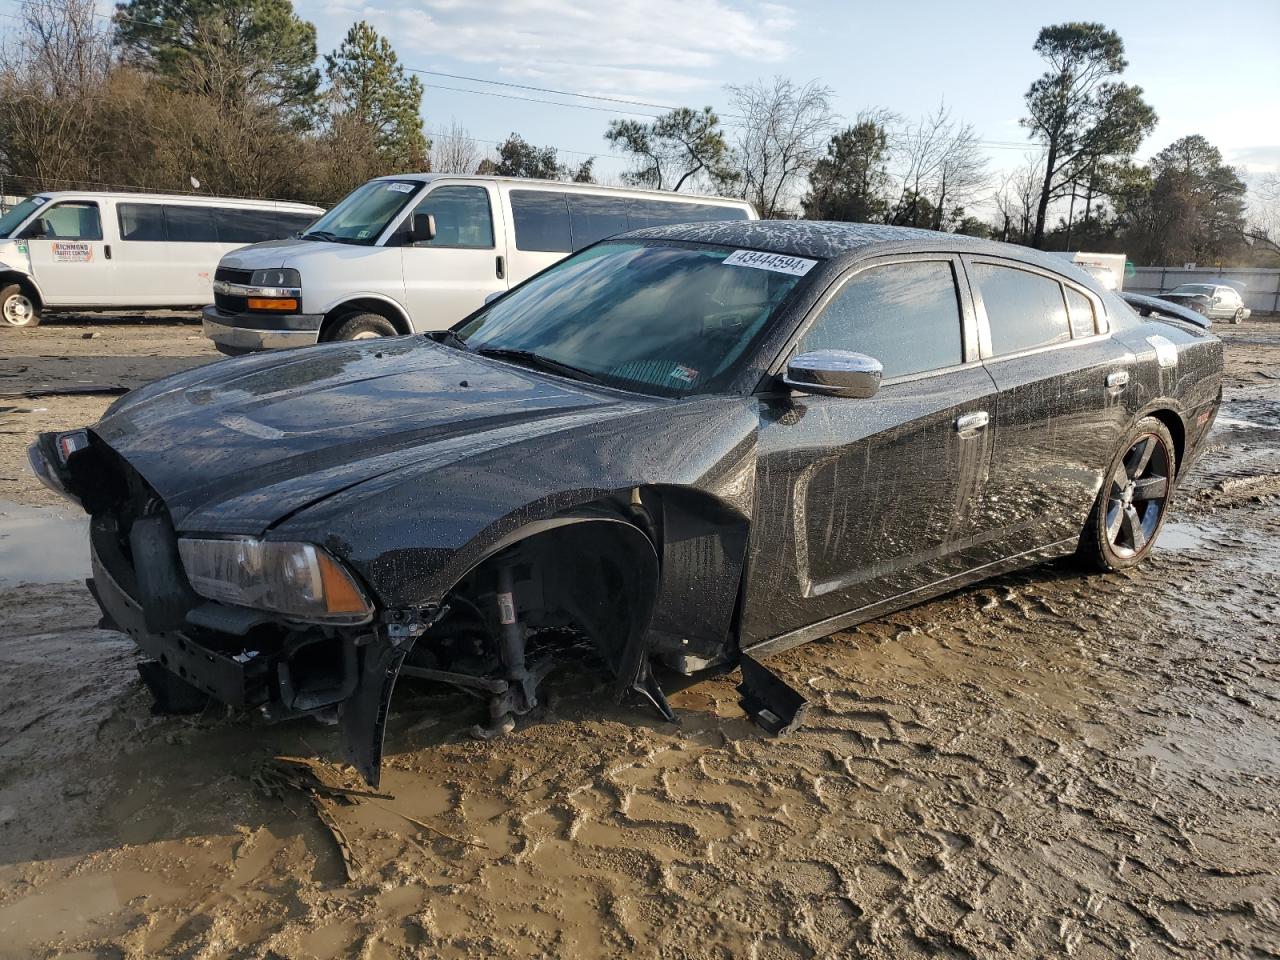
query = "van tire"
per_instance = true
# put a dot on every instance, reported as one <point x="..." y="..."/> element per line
<point x="362" y="326"/>
<point x="18" y="308"/>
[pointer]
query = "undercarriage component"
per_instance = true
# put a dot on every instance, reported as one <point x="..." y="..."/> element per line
<point x="648" y="687"/>
<point x="170" y="694"/>
<point x="769" y="700"/>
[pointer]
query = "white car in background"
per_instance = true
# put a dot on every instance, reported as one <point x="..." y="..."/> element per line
<point x="405" y="254"/>
<point x="1217" y="301"/>
<point x="119" y="251"/>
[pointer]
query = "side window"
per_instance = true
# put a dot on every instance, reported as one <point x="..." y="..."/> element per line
<point x="141" y="221"/>
<point x="1080" y="312"/>
<point x="906" y="315"/>
<point x="712" y="211"/>
<point x="190" y="224"/>
<point x="655" y="213"/>
<point x="463" y="217"/>
<point x="237" y="225"/>
<point x="1024" y="309"/>
<point x="71" y="221"/>
<point x="290" y="223"/>
<point x="541" y="221"/>
<point x="593" y="218"/>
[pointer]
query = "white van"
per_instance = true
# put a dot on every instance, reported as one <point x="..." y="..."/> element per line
<point x="404" y="254"/>
<point x="118" y="251"/>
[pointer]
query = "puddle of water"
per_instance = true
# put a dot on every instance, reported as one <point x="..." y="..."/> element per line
<point x="43" y="544"/>
<point x="1243" y="424"/>
<point x="1180" y="536"/>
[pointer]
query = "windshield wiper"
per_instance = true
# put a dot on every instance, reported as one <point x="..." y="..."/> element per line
<point x="326" y="235"/>
<point x="530" y="359"/>
<point x="449" y="338"/>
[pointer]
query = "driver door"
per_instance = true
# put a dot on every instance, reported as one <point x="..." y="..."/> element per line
<point x="862" y="500"/>
<point x="69" y="259"/>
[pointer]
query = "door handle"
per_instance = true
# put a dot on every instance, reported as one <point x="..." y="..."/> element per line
<point x="1117" y="380"/>
<point x="106" y="250"/>
<point x="970" y="424"/>
<point x="501" y="268"/>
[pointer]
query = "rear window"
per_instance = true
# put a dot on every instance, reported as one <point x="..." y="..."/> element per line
<point x="1024" y="310"/>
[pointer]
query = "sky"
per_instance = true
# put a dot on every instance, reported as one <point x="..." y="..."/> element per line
<point x="1208" y="69"/>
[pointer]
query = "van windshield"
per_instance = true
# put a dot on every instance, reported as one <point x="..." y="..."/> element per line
<point x="362" y="215"/>
<point x="672" y="319"/>
<point x="13" y="219"/>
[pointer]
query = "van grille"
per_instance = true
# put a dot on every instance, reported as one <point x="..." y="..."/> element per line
<point x="226" y="303"/>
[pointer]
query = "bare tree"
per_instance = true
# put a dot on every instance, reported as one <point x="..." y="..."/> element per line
<point x="454" y="151"/>
<point x="1264" y="214"/>
<point x="1016" y="200"/>
<point x="940" y="169"/>
<point x="53" y="73"/>
<point x="783" y="133"/>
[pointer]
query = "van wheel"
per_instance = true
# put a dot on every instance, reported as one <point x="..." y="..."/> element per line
<point x="1131" y="506"/>
<point x="17" y="309"/>
<point x="362" y="326"/>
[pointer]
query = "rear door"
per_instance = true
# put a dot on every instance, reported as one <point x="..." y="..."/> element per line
<point x="1061" y="411"/>
<point x="70" y="258"/>
<point x="866" y="499"/>
<point x="448" y="277"/>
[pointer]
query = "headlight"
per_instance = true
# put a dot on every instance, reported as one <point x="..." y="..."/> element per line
<point x="297" y="579"/>
<point x="276" y="277"/>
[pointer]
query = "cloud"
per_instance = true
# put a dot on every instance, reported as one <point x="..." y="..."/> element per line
<point x="633" y="48"/>
<point x="1259" y="159"/>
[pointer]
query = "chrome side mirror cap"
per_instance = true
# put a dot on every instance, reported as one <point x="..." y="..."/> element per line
<point x="834" y="373"/>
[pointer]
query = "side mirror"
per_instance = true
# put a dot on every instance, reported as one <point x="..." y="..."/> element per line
<point x="422" y="228"/>
<point x="835" y="373"/>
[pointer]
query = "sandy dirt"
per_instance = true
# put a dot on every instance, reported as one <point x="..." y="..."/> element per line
<point x="1047" y="764"/>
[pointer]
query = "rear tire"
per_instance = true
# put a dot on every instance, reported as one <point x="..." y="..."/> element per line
<point x="362" y="326"/>
<point x="17" y="309"/>
<point x="1238" y="317"/>
<point x="1134" y="500"/>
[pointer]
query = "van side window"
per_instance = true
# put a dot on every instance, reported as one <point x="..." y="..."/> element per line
<point x="70" y="221"/>
<point x="140" y="221"/>
<point x="906" y="315"/>
<point x="541" y="221"/>
<point x="190" y="224"/>
<point x="593" y="217"/>
<point x="1080" y="312"/>
<point x="463" y="217"/>
<point x="1024" y="310"/>
<point x="244" y="226"/>
<point x="290" y="223"/>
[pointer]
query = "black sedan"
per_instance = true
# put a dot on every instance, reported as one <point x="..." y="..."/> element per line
<point x="673" y="452"/>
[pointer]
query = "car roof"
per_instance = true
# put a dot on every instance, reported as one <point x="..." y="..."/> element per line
<point x="197" y="198"/>
<point x="667" y="195"/>
<point x="830" y="240"/>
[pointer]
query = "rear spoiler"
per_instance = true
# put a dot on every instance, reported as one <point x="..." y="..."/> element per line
<point x="1154" y="306"/>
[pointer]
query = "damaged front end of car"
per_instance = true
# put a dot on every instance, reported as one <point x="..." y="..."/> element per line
<point x="254" y="623"/>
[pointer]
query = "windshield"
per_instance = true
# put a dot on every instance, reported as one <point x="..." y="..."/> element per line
<point x="1200" y="288"/>
<point x="13" y="219"/>
<point x="362" y="215"/>
<point x="660" y="318"/>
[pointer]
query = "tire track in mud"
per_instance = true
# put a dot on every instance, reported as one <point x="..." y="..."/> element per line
<point x="1045" y="764"/>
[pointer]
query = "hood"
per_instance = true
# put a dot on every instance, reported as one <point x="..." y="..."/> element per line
<point x="292" y="253"/>
<point x="278" y="432"/>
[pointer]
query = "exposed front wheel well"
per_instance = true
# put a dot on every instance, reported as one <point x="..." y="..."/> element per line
<point x="9" y="277"/>
<point x="335" y="317"/>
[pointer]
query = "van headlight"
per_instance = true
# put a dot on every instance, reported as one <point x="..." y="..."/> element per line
<point x="277" y="289"/>
<point x="296" y="579"/>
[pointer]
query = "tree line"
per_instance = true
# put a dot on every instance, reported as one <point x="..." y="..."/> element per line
<point x="233" y="96"/>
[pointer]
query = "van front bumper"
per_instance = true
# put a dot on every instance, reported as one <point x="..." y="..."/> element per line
<point x="237" y="333"/>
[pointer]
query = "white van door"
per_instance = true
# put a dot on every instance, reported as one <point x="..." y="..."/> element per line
<point x="540" y="224"/>
<point x="448" y="277"/>
<point x="70" y="260"/>
<point x="167" y="254"/>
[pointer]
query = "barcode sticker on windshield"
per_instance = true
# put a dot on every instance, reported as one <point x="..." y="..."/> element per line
<point x="777" y="262"/>
<point x="400" y="187"/>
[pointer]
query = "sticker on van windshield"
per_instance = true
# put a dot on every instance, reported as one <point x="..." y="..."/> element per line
<point x="38" y="201"/>
<point x="74" y="252"/>
<point x="400" y="187"/>
<point x="777" y="262"/>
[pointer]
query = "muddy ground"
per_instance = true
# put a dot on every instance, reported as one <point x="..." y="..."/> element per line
<point x="1047" y="764"/>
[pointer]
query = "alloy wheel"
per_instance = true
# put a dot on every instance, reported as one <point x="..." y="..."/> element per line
<point x="366" y="335"/>
<point x="1138" y="495"/>
<point x="18" y="310"/>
